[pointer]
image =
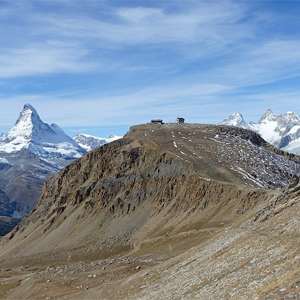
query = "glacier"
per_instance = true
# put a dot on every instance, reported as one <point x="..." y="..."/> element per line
<point x="282" y="131"/>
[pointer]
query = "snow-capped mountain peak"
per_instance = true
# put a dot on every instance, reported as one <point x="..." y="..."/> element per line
<point x="25" y="124"/>
<point x="30" y="132"/>
<point x="30" y="153"/>
<point x="291" y="119"/>
<point x="235" y="119"/>
<point x="268" y="116"/>
<point x="282" y="131"/>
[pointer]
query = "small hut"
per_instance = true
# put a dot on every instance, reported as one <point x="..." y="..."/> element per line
<point x="180" y="120"/>
<point x="157" y="121"/>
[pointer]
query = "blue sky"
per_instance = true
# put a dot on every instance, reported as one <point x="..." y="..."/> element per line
<point x="99" y="67"/>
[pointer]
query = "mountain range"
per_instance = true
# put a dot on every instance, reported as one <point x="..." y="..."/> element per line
<point x="173" y="211"/>
<point x="30" y="153"/>
<point x="89" y="142"/>
<point x="282" y="131"/>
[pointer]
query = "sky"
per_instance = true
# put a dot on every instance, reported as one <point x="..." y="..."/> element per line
<point x="99" y="67"/>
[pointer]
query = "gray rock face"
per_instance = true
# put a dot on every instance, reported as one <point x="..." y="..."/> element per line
<point x="6" y="209"/>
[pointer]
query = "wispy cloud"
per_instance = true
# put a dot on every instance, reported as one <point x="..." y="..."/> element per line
<point x="146" y="25"/>
<point x="43" y="58"/>
<point x="267" y="62"/>
<point x="78" y="35"/>
<point x="122" y="63"/>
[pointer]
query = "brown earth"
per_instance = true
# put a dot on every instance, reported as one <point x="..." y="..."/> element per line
<point x="168" y="212"/>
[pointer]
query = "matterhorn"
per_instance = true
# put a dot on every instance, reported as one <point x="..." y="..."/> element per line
<point x="40" y="139"/>
<point x="30" y="153"/>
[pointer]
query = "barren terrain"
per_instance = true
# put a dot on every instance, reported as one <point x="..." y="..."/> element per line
<point x="168" y="212"/>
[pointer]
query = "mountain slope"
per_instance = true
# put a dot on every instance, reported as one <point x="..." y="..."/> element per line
<point x="282" y="131"/>
<point x="32" y="152"/>
<point x="254" y="259"/>
<point x="143" y="202"/>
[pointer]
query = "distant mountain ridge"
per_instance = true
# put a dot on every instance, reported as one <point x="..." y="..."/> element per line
<point x="89" y="142"/>
<point x="282" y="131"/>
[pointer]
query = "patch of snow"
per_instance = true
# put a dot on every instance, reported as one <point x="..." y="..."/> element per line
<point x="175" y="145"/>
<point x="294" y="129"/>
<point x="268" y="131"/>
<point x="3" y="160"/>
<point x="215" y="140"/>
<point x="152" y="142"/>
<point x="293" y="147"/>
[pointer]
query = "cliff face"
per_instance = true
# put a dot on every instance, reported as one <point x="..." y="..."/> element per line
<point x="116" y="192"/>
<point x="156" y="193"/>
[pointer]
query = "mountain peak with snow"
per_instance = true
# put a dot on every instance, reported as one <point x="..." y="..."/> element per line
<point x="30" y="132"/>
<point x="236" y="119"/>
<point x="27" y="125"/>
<point x="28" y="106"/>
<point x="30" y="153"/>
<point x="291" y="117"/>
<point x="89" y="142"/>
<point x="282" y="131"/>
<point x="28" y="115"/>
<point x="267" y="116"/>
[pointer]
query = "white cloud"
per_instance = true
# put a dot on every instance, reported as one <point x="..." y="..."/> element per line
<point x="140" y="15"/>
<point x="72" y="41"/>
<point x="161" y="58"/>
<point x="267" y="62"/>
<point x="43" y="58"/>
<point x="147" y="25"/>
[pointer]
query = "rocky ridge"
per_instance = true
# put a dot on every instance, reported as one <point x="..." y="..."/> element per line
<point x="167" y="211"/>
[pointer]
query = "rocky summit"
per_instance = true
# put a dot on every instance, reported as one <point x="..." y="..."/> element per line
<point x="168" y="212"/>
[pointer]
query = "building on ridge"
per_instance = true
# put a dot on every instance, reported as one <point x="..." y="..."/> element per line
<point x="157" y="121"/>
<point x="180" y="120"/>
